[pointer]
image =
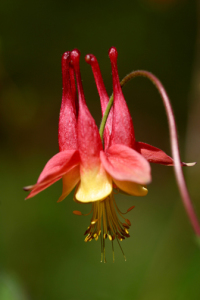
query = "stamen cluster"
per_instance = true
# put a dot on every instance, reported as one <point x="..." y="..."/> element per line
<point x="106" y="224"/>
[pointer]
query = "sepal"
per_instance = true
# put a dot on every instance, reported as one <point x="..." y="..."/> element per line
<point x="56" y="167"/>
<point x="126" y="164"/>
<point x="156" y="155"/>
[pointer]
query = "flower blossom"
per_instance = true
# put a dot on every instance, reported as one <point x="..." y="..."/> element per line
<point x="93" y="167"/>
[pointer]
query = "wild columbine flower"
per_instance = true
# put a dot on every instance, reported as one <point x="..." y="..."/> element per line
<point x="83" y="162"/>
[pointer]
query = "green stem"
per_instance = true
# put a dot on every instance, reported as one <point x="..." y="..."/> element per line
<point x="105" y="116"/>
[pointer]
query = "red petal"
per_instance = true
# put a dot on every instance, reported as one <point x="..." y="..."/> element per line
<point x="122" y="126"/>
<point x="125" y="164"/>
<point x="55" y="168"/>
<point x="89" y="141"/>
<point x="104" y="98"/>
<point x="67" y="134"/>
<point x="73" y="88"/>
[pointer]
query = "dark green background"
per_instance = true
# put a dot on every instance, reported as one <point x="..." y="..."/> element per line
<point x="42" y="252"/>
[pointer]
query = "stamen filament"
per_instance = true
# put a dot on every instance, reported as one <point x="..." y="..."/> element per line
<point x="121" y="249"/>
<point x="105" y="222"/>
<point x="113" y="251"/>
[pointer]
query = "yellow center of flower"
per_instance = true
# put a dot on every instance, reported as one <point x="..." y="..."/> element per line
<point x="105" y="223"/>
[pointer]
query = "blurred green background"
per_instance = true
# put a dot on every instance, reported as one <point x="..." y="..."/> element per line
<point x="42" y="249"/>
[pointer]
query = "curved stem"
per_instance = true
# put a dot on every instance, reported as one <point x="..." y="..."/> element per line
<point x="173" y="139"/>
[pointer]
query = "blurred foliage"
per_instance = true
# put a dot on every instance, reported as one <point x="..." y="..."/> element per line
<point x="10" y="288"/>
<point x="42" y="253"/>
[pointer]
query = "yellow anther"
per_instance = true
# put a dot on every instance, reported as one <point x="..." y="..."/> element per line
<point x="94" y="221"/>
<point x="126" y="230"/>
<point x="110" y="237"/>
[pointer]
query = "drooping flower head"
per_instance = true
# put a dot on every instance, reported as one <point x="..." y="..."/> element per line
<point x="92" y="166"/>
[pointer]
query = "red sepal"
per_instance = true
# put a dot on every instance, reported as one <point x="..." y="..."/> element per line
<point x="156" y="155"/>
<point x="56" y="167"/>
<point x="126" y="164"/>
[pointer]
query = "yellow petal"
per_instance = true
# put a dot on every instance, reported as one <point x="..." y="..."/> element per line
<point x="70" y="180"/>
<point x="131" y="188"/>
<point x="95" y="185"/>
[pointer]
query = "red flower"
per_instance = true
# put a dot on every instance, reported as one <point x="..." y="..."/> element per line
<point x="82" y="158"/>
<point x="82" y="161"/>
